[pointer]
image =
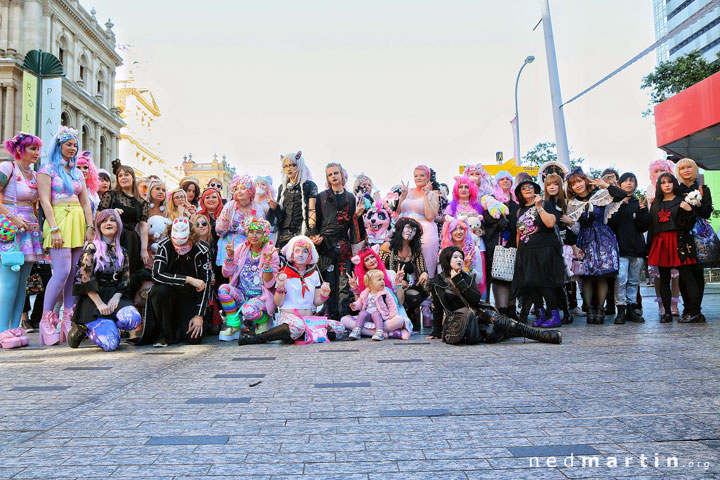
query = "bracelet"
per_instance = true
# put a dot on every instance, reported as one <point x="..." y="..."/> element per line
<point x="54" y="229"/>
<point x="10" y="216"/>
<point x="280" y="290"/>
<point x="324" y="297"/>
<point x="267" y="269"/>
<point x="355" y="290"/>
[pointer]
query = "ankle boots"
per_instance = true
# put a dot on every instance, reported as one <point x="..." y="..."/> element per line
<point x="281" y="332"/>
<point x="622" y="312"/>
<point x="554" y="321"/>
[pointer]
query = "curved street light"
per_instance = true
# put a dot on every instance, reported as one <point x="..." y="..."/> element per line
<point x="518" y="160"/>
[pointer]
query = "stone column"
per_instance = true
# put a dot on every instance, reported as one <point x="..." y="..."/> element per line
<point x="9" y="131"/>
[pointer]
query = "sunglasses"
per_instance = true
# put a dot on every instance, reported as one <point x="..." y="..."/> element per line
<point x="201" y="224"/>
<point x="215" y="185"/>
<point x="290" y="165"/>
<point x="527" y="187"/>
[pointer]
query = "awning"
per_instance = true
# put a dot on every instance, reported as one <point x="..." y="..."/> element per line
<point x="688" y="123"/>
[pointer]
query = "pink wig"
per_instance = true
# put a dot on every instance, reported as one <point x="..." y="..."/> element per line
<point x="424" y="169"/>
<point x="360" y="270"/>
<point x="473" y="195"/>
<point x="20" y="142"/>
<point x="101" y="256"/>
<point x="246" y="181"/>
<point x="499" y="194"/>
<point x="92" y="181"/>
<point x="667" y="165"/>
<point x="450" y="225"/>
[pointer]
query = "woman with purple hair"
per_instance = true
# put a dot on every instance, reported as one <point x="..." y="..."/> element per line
<point x="18" y="198"/>
<point x="465" y="199"/>
<point x="501" y="231"/>
<point x="102" y="287"/>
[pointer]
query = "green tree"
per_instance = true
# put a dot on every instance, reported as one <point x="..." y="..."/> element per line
<point x="546" y="152"/>
<point x="671" y="77"/>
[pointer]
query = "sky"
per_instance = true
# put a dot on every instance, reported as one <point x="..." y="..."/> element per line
<point x="382" y="86"/>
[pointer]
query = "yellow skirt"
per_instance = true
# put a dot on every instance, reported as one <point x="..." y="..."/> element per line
<point x="71" y="220"/>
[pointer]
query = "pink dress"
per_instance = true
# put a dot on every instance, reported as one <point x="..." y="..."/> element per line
<point x="413" y="208"/>
<point x="19" y="189"/>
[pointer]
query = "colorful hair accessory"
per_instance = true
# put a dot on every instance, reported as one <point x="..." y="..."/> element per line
<point x="64" y="134"/>
<point x="576" y="171"/>
<point x="7" y="229"/>
<point x="252" y="223"/>
<point x="244" y="180"/>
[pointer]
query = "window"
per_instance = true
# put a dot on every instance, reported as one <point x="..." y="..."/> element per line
<point x="695" y="35"/>
<point x="61" y="55"/>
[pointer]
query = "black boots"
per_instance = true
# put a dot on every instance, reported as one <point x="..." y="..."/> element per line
<point x="281" y="332"/>
<point x="632" y="315"/>
<point x="621" y="314"/>
<point x="517" y="329"/>
<point x="77" y="334"/>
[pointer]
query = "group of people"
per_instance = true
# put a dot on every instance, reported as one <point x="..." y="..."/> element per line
<point x="304" y="265"/>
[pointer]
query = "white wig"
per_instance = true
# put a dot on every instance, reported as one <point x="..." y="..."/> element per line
<point x="287" y="250"/>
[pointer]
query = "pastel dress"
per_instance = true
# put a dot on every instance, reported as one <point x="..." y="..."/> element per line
<point x="414" y="208"/>
<point x="69" y="217"/>
<point x="18" y="194"/>
<point x="231" y="229"/>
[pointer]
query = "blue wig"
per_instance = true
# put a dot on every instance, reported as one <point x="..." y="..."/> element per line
<point x="58" y="162"/>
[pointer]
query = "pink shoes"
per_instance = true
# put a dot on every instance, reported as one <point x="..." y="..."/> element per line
<point x="49" y="334"/>
<point x="13" y="338"/>
<point x="66" y="324"/>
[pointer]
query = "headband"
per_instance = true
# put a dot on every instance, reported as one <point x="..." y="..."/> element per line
<point x="64" y="134"/>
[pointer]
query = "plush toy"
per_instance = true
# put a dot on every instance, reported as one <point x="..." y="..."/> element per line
<point x="377" y="224"/>
<point x="475" y="224"/>
<point x="496" y="208"/>
<point x="157" y="230"/>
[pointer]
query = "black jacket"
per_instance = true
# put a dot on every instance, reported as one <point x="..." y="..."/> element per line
<point x="165" y="262"/>
<point x="706" y="207"/>
<point x="629" y="223"/>
<point x="328" y="227"/>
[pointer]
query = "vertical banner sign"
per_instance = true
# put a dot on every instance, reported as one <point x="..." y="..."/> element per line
<point x="29" y="103"/>
<point x="51" y="91"/>
<point x="516" y="140"/>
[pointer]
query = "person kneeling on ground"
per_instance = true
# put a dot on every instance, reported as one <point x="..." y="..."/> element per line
<point x="454" y="290"/>
<point x="181" y="276"/>
<point x="102" y="288"/>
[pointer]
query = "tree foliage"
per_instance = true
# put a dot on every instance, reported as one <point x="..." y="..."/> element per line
<point x="671" y="77"/>
<point x="547" y="152"/>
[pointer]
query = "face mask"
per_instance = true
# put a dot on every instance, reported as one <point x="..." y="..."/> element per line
<point x="180" y="235"/>
<point x="260" y="191"/>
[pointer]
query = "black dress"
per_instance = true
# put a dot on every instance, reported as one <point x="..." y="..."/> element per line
<point x="499" y="230"/>
<point x="134" y="211"/>
<point x="539" y="261"/>
<point x="107" y="281"/>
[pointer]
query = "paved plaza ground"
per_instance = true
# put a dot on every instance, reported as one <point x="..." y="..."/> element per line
<point x="367" y="410"/>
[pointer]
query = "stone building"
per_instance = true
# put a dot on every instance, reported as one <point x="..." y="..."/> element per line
<point x="205" y="171"/>
<point x="87" y="52"/>
<point x="138" y="146"/>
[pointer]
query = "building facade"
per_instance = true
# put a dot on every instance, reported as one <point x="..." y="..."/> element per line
<point x="87" y="52"/>
<point x="703" y="34"/>
<point x="140" y="112"/>
<point x="205" y="171"/>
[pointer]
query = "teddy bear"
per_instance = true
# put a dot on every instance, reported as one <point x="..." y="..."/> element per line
<point x="157" y="230"/>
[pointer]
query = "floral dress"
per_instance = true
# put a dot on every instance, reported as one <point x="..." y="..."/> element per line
<point x="595" y="238"/>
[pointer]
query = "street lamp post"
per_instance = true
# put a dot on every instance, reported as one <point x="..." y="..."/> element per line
<point x="518" y="159"/>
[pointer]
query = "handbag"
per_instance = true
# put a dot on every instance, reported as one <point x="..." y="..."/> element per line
<point x="503" y="265"/>
<point x="34" y="285"/>
<point x="578" y="267"/>
<point x="706" y="242"/>
<point x="460" y="326"/>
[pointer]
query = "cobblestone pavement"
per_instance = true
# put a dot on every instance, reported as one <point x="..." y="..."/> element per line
<point x="372" y="410"/>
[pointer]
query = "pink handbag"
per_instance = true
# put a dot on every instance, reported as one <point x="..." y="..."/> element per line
<point x="578" y="267"/>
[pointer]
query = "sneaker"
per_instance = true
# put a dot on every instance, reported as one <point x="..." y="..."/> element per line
<point x="356" y="333"/>
<point x="576" y="311"/>
<point x="378" y="336"/>
<point x="229" y="334"/>
<point x="160" y="343"/>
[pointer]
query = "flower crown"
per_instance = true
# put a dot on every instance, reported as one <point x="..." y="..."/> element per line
<point x="64" y="134"/>
<point x="252" y="223"/>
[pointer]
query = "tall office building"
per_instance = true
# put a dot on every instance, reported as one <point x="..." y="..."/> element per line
<point x="703" y="34"/>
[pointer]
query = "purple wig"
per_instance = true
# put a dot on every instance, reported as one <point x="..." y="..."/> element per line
<point x="452" y="207"/>
<point x="499" y="194"/>
<point x="101" y="256"/>
<point x="16" y="146"/>
<point x="450" y="225"/>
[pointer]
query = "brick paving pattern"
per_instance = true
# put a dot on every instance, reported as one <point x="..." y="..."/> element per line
<point x="433" y="411"/>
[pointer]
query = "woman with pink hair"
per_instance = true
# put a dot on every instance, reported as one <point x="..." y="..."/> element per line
<point x="657" y="168"/>
<point x="465" y="199"/>
<point x="456" y="233"/>
<point x="230" y="225"/>
<point x="90" y="172"/>
<point x="366" y="260"/>
<point x="421" y="203"/>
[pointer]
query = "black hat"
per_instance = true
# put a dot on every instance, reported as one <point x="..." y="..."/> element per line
<point x="526" y="181"/>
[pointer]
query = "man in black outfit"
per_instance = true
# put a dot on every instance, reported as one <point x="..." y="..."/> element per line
<point x="340" y="226"/>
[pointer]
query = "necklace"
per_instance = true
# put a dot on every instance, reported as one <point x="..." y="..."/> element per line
<point x="27" y="171"/>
